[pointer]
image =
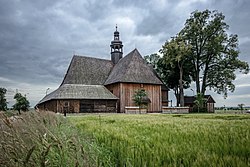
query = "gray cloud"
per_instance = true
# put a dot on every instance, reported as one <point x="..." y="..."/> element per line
<point x="38" y="38"/>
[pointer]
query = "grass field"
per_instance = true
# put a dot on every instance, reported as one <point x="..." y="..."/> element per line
<point x="168" y="140"/>
<point x="48" y="139"/>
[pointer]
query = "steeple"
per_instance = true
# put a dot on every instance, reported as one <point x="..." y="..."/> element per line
<point x="116" y="47"/>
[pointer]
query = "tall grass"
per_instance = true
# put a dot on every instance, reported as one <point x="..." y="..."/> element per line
<point x="46" y="139"/>
<point x="169" y="140"/>
<point x="42" y="139"/>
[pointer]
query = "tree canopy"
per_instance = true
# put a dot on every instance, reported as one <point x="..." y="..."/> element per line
<point x="199" y="102"/>
<point x="202" y="52"/>
<point x="3" y="101"/>
<point x="22" y="104"/>
<point x="140" y="98"/>
<point x="170" y="74"/>
<point x="215" y="54"/>
<point x="176" y="54"/>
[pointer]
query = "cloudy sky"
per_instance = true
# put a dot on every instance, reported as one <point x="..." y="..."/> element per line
<point x="39" y="38"/>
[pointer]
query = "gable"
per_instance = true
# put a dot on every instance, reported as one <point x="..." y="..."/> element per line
<point x="209" y="99"/>
<point x="132" y="69"/>
<point x="87" y="71"/>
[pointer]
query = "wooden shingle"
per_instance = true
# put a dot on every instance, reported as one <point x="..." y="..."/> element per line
<point x="87" y="71"/>
<point x="132" y="69"/>
<point x="78" y="91"/>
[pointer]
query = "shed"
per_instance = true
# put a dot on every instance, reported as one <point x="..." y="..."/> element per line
<point x="208" y="101"/>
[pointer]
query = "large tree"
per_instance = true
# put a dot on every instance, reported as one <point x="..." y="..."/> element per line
<point x="170" y="74"/>
<point x="215" y="54"/>
<point x="22" y="104"/>
<point x="176" y="53"/>
<point x="3" y="101"/>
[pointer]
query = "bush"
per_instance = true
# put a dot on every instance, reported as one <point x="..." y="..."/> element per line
<point x="201" y="110"/>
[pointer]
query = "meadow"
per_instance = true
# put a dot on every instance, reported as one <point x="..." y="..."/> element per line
<point x="48" y="139"/>
<point x="168" y="140"/>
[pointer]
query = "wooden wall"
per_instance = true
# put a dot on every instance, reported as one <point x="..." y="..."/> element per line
<point x="210" y="107"/>
<point x="96" y="106"/>
<point x="115" y="89"/>
<point x="70" y="106"/>
<point x="164" y="94"/>
<point x="76" y="106"/>
<point x="48" y="106"/>
<point x="125" y="93"/>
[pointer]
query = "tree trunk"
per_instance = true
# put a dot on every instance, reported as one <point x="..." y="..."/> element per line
<point x="203" y="87"/>
<point x="197" y="80"/>
<point x="204" y="80"/>
<point x="197" y="71"/>
<point x="177" y="96"/>
<point x="181" y="87"/>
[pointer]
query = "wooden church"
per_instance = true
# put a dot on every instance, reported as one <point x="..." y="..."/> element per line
<point x="99" y="85"/>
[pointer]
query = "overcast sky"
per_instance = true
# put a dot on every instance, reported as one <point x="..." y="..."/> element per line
<point x="39" y="38"/>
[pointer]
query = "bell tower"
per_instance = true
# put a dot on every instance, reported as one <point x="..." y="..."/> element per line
<point x="116" y="47"/>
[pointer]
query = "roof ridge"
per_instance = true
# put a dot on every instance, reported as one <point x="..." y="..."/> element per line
<point x="131" y="58"/>
<point x="91" y="57"/>
<point x="132" y="68"/>
<point x="87" y="70"/>
<point x="80" y="85"/>
<point x="125" y="65"/>
<point x="71" y="61"/>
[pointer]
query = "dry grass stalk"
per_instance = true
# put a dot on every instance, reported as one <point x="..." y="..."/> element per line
<point x="39" y="139"/>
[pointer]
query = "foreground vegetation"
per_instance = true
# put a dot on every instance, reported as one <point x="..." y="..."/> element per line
<point x="47" y="139"/>
<point x="169" y="140"/>
<point x="42" y="139"/>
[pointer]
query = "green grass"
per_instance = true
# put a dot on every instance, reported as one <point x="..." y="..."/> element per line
<point x="168" y="140"/>
<point x="231" y="111"/>
<point x="42" y="139"/>
<point x="48" y="139"/>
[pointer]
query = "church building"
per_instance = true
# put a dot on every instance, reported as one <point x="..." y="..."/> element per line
<point x="99" y="85"/>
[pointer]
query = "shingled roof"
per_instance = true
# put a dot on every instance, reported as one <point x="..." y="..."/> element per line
<point x="191" y="99"/>
<point x="87" y="71"/>
<point x="86" y="77"/>
<point x="133" y="69"/>
<point x="76" y="91"/>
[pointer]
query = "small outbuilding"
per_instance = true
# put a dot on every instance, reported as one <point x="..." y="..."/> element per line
<point x="208" y="101"/>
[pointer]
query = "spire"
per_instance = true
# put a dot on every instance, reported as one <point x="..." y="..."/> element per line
<point x="116" y="34"/>
<point x="116" y="47"/>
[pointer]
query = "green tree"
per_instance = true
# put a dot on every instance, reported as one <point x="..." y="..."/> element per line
<point x="214" y="55"/>
<point x="199" y="101"/>
<point x="170" y="75"/>
<point x="22" y="104"/>
<point x="176" y="53"/>
<point x="3" y="101"/>
<point x="154" y="59"/>
<point x="140" y="98"/>
<point x="241" y="107"/>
